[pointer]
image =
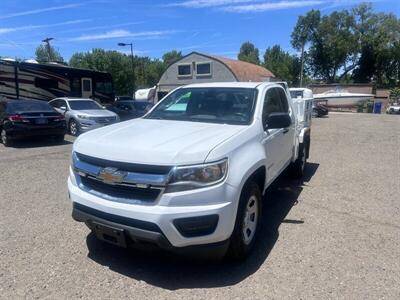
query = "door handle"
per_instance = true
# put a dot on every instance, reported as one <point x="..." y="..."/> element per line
<point x="285" y="130"/>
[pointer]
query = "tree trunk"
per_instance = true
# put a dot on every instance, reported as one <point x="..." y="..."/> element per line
<point x="302" y="65"/>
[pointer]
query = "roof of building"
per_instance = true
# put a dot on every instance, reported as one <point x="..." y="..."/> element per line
<point x="243" y="71"/>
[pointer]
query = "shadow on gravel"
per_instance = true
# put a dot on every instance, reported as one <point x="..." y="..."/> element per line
<point x="172" y="272"/>
<point x="38" y="143"/>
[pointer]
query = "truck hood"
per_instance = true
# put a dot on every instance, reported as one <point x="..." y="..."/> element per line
<point x="155" y="142"/>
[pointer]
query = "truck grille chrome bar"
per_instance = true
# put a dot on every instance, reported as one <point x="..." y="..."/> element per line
<point x="116" y="183"/>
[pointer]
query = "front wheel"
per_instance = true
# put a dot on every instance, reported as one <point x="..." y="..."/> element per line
<point x="247" y="222"/>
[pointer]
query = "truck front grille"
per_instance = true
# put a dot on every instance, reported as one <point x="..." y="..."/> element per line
<point x="120" y="191"/>
<point x="120" y="181"/>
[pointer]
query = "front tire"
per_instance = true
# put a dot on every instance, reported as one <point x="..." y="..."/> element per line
<point x="247" y="222"/>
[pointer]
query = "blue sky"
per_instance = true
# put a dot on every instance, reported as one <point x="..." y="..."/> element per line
<point x="155" y="27"/>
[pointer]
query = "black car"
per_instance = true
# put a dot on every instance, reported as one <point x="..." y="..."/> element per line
<point x="27" y="118"/>
<point x="128" y="109"/>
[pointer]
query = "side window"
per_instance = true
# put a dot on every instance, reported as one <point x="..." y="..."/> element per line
<point x="284" y="101"/>
<point x="275" y="102"/>
<point x="55" y="103"/>
<point x="63" y="103"/>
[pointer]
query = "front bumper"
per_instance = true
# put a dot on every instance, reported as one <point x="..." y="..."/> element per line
<point x="85" y="126"/>
<point x="220" y="200"/>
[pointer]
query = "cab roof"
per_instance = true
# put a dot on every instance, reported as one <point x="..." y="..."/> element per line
<point x="228" y="84"/>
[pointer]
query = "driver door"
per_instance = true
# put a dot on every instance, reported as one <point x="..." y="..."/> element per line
<point x="274" y="140"/>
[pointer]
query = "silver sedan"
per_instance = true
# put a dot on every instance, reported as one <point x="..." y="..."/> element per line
<point x="83" y="115"/>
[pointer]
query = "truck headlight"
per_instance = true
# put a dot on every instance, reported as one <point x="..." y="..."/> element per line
<point x="197" y="176"/>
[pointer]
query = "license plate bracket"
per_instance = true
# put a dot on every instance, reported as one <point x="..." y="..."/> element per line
<point x="41" y="121"/>
<point x="110" y="234"/>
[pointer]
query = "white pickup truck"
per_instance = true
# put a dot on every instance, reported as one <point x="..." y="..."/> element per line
<point x="190" y="174"/>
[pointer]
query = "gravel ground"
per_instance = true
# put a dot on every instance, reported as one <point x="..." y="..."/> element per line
<point x="341" y="240"/>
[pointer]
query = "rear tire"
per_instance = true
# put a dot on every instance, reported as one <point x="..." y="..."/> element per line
<point x="73" y="128"/>
<point x="5" y="139"/>
<point x="247" y="222"/>
<point x="297" y="167"/>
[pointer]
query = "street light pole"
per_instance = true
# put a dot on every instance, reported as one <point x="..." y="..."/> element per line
<point x="133" y="65"/>
<point x="48" y="48"/>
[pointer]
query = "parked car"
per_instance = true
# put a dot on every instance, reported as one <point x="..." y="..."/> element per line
<point x="128" y="109"/>
<point x="192" y="178"/>
<point x="393" y="109"/>
<point x="83" y="115"/>
<point x="20" y="119"/>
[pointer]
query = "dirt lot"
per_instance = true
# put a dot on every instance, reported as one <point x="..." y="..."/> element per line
<point x="342" y="239"/>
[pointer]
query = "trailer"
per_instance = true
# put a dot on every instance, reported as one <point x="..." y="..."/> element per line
<point x="303" y="105"/>
<point x="31" y="80"/>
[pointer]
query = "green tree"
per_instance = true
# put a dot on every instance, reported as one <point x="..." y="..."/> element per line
<point x="302" y="34"/>
<point x="333" y="46"/>
<point x="285" y="66"/>
<point x="147" y="71"/>
<point x="249" y="53"/>
<point x="44" y="54"/>
<point x="171" y="57"/>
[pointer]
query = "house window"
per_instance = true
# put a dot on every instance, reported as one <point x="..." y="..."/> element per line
<point x="185" y="70"/>
<point x="203" y="69"/>
<point x="45" y="83"/>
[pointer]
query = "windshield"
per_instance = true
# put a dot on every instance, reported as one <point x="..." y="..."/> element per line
<point x="27" y="106"/>
<point x="215" y="105"/>
<point x="84" y="105"/>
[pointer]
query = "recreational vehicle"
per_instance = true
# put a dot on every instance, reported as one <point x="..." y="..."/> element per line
<point x="31" y="80"/>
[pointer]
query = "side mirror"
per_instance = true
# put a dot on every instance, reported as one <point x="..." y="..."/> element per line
<point x="278" y="120"/>
<point x="64" y="108"/>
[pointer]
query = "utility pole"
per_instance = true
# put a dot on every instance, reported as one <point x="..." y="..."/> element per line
<point x="48" y="48"/>
<point x="133" y="65"/>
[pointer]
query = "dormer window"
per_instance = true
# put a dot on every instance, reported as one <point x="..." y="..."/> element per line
<point x="185" y="70"/>
<point x="203" y="69"/>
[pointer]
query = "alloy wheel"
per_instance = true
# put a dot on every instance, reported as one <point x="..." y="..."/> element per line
<point x="73" y="128"/>
<point x="250" y="220"/>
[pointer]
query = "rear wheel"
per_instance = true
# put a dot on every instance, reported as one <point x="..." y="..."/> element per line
<point x="5" y="139"/>
<point x="297" y="167"/>
<point x="247" y="222"/>
<point x="73" y="128"/>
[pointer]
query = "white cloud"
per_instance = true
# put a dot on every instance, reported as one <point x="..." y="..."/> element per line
<point x="32" y="27"/>
<point x="260" y="7"/>
<point x="40" y="10"/>
<point x="121" y="34"/>
<point x="207" y="3"/>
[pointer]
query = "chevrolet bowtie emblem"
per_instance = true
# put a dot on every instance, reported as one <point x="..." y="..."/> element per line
<point x="112" y="175"/>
